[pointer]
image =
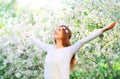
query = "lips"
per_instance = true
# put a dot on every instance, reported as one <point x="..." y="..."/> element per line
<point x="55" y="33"/>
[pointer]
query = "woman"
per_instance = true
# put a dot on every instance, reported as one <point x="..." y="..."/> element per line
<point x="60" y="56"/>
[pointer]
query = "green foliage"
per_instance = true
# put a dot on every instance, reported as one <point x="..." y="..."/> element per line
<point x="20" y="59"/>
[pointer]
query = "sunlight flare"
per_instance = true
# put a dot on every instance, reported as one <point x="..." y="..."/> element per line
<point x="49" y="4"/>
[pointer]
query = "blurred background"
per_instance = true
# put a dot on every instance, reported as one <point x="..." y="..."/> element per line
<point x="21" y="59"/>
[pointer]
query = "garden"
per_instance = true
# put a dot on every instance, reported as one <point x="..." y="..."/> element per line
<point x="21" y="59"/>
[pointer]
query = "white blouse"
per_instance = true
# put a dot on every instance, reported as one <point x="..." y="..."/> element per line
<point x="57" y="61"/>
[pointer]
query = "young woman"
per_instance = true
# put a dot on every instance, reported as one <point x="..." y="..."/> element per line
<point x="60" y="56"/>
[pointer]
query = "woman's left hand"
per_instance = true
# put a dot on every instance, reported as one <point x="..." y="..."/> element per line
<point x="109" y="27"/>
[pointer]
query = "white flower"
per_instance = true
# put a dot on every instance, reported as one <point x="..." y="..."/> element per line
<point x="63" y="27"/>
<point x="18" y="75"/>
<point x="66" y="31"/>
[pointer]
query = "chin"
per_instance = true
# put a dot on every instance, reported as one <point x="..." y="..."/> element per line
<point x="57" y="37"/>
<point x="54" y="37"/>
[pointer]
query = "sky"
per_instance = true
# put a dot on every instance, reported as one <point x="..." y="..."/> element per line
<point x="50" y="4"/>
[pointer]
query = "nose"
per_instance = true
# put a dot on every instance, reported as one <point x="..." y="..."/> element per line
<point x="55" y="31"/>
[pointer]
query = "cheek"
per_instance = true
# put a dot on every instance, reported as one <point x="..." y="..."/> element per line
<point x="58" y="35"/>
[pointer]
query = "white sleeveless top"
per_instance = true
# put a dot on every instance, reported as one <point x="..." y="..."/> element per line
<point x="57" y="61"/>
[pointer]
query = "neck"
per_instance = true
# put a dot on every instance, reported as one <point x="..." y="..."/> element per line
<point x="59" y="43"/>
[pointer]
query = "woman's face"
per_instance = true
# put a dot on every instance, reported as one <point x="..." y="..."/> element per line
<point x="58" y="34"/>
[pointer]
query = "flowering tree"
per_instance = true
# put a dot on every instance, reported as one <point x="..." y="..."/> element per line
<point x="20" y="59"/>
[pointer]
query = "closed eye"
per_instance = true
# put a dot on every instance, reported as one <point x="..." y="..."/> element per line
<point x="59" y="29"/>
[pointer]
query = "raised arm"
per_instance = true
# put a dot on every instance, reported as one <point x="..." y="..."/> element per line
<point x="38" y="43"/>
<point x="109" y="27"/>
<point x="90" y="37"/>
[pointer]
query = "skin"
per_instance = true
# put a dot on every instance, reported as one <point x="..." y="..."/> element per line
<point x="58" y="34"/>
<point x="109" y="27"/>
